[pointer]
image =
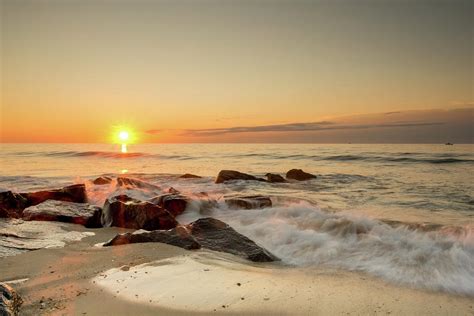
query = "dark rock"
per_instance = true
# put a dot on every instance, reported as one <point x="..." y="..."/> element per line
<point x="274" y="178"/>
<point x="248" y="202"/>
<point x="190" y="176"/>
<point x="300" y="175"/>
<point x="228" y="175"/>
<point x="10" y="301"/>
<point x="208" y="233"/>
<point x="123" y="211"/>
<point x="73" y="193"/>
<point x="179" y="237"/>
<point x="68" y="212"/>
<point x="11" y="204"/>
<point x="216" y="235"/>
<point x="174" y="203"/>
<point x="173" y="190"/>
<point x="102" y="180"/>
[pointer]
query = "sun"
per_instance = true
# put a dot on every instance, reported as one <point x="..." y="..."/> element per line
<point x="123" y="136"/>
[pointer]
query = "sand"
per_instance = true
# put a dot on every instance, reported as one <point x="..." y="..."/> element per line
<point x="83" y="279"/>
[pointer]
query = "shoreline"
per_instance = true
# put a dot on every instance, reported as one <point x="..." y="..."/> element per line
<point x="66" y="281"/>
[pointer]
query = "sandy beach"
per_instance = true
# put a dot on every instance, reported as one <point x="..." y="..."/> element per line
<point x="153" y="278"/>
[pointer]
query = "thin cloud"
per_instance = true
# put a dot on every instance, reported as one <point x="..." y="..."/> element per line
<point x="300" y="127"/>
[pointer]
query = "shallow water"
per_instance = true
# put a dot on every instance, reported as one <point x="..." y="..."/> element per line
<point x="401" y="212"/>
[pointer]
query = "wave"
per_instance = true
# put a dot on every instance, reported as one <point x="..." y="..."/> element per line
<point x="433" y="257"/>
<point x="432" y="160"/>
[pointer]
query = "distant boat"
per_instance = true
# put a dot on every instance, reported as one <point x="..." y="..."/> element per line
<point x="449" y="144"/>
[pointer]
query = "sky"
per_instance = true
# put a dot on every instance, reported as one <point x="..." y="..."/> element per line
<point x="384" y="71"/>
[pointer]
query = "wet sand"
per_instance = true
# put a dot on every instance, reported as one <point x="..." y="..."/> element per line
<point x="82" y="279"/>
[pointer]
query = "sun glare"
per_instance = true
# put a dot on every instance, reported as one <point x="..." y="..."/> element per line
<point x="123" y="135"/>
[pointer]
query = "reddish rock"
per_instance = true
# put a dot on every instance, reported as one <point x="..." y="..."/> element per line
<point x="102" y="180"/>
<point x="174" y="203"/>
<point x="229" y="175"/>
<point x="11" y="204"/>
<point x="123" y="211"/>
<point x="300" y="175"/>
<point x="73" y="193"/>
<point x="68" y="212"/>
<point x="248" y="202"/>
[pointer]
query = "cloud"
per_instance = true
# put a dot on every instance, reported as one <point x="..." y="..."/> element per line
<point x="300" y="127"/>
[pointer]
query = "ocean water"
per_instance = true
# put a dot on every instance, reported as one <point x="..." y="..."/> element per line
<point x="404" y="213"/>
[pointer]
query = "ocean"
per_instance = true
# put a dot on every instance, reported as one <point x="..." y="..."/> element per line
<point x="402" y="212"/>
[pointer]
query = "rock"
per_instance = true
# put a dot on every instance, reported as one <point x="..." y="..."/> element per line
<point x="11" y="204"/>
<point x="173" y="191"/>
<point x="208" y="233"/>
<point x="124" y="211"/>
<point x="228" y="175"/>
<point x="300" y="175"/>
<point x="102" y="180"/>
<point x="179" y="237"/>
<point x="73" y="193"/>
<point x="216" y="235"/>
<point x="174" y="203"/>
<point x="10" y="301"/>
<point x="68" y="212"/>
<point x="190" y="176"/>
<point x="136" y="183"/>
<point x="248" y="202"/>
<point x="274" y="178"/>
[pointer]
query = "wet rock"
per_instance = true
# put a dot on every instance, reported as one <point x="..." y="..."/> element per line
<point x="124" y="211"/>
<point x="300" y="175"/>
<point x="11" y="204"/>
<point x="179" y="237"/>
<point x="73" y="193"/>
<point x="174" y="203"/>
<point x="274" y="178"/>
<point x="102" y="180"/>
<point x="248" y="202"/>
<point x="10" y="301"/>
<point x="228" y="175"/>
<point x="68" y="212"/>
<point x="190" y="176"/>
<point x="216" y="235"/>
<point x="208" y="233"/>
<point x="136" y="183"/>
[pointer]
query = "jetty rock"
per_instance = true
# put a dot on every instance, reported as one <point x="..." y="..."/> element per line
<point x="102" y="180"/>
<point x="300" y="175"/>
<point x="248" y="202"/>
<point x="67" y="212"/>
<point x="275" y="178"/>
<point x="208" y="233"/>
<point x="10" y="301"/>
<point x="229" y="175"/>
<point x="11" y="204"/>
<point x="189" y="176"/>
<point x="72" y="193"/>
<point x="124" y="211"/>
<point x="175" y="203"/>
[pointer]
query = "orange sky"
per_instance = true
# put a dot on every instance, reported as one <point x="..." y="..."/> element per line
<point x="72" y="71"/>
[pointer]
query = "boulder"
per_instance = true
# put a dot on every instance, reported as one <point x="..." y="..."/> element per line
<point x="102" y="180"/>
<point x="208" y="233"/>
<point x="11" y="204"/>
<point x="124" y="211"/>
<point x="190" y="176"/>
<point x="274" y="178"/>
<point x="300" y="175"/>
<point x="135" y="183"/>
<point x="228" y="175"/>
<point x="179" y="237"/>
<point x="73" y="193"/>
<point x="10" y="301"/>
<point x="68" y="212"/>
<point x="248" y="202"/>
<point x="174" y="203"/>
<point x="216" y="235"/>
